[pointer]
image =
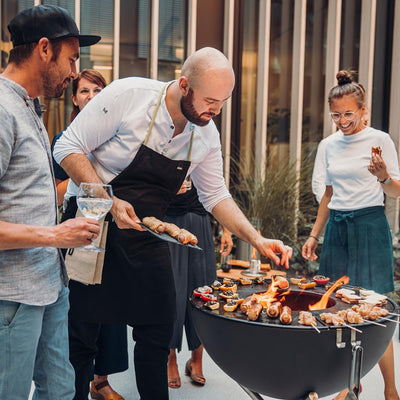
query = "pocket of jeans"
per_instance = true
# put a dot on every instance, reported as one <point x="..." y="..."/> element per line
<point x="8" y="310"/>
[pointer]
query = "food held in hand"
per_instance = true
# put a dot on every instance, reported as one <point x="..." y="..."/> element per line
<point x="154" y="224"/>
<point x="321" y="280"/>
<point x="377" y="150"/>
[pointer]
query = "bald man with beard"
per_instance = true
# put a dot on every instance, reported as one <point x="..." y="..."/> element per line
<point x="143" y="137"/>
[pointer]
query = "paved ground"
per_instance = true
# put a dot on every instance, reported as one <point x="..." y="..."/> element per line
<point x="219" y="386"/>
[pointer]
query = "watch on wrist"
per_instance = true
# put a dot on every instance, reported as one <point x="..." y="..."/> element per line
<point x="386" y="181"/>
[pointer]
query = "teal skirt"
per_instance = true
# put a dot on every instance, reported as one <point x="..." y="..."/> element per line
<point x="359" y="244"/>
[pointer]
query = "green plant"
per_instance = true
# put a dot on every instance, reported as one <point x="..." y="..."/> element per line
<point x="271" y="197"/>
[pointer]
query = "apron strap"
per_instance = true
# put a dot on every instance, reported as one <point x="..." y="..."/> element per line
<point x="190" y="145"/>
<point x="153" y="118"/>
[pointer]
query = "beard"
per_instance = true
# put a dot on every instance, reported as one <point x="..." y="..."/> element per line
<point x="189" y="111"/>
<point x="51" y="83"/>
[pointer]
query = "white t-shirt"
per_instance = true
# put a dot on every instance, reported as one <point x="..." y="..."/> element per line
<point x="319" y="171"/>
<point x="347" y="159"/>
<point x="113" y="125"/>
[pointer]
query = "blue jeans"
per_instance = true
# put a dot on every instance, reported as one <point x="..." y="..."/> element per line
<point x="34" y="346"/>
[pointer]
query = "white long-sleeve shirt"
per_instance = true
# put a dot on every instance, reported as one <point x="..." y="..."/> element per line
<point x="113" y="125"/>
<point x="347" y="159"/>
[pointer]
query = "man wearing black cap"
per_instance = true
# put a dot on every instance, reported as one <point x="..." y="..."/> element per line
<point x="33" y="293"/>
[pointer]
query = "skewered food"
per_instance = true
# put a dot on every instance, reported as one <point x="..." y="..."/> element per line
<point x="332" y="319"/>
<point x="376" y="150"/>
<point x="350" y="316"/>
<point x="366" y="310"/>
<point x="274" y="309"/>
<point x="154" y="224"/>
<point x="182" y="235"/>
<point x="286" y="315"/>
<point x="306" y="318"/>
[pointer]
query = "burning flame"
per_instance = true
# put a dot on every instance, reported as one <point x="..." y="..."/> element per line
<point x="254" y="251"/>
<point x="271" y="295"/>
<point x="320" y="305"/>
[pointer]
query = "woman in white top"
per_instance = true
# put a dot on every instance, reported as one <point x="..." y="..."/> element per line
<point x="357" y="240"/>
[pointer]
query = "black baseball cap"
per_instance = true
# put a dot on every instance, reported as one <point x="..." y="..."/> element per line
<point x="52" y="22"/>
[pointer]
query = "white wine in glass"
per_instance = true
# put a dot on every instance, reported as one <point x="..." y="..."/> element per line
<point x="94" y="201"/>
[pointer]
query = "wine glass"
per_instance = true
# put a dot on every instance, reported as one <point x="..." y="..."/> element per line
<point x="94" y="201"/>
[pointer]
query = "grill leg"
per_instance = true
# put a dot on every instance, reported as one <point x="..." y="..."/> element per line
<point x="355" y="373"/>
<point x="252" y="395"/>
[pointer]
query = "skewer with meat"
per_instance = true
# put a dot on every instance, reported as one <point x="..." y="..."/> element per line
<point x="182" y="235"/>
<point x="351" y="316"/>
<point x="154" y="224"/>
<point x="332" y="319"/>
<point x="306" y="318"/>
<point x="274" y="309"/>
<point x="286" y="315"/>
<point x="369" y="311"/>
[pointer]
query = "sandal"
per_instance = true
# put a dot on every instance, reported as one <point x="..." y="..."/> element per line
<point x="174" y="383"/>
<point x="196" y="378"/>
<point x="94" y="392"/>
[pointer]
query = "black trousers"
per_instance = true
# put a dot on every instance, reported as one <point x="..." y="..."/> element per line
<point x="150" y="357"/>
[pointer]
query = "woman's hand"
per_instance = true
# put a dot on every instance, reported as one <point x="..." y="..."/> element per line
<point x="226" y="243"/>
<point x="309" y="247"/>
<point x="377" y="167"/>
<point x="124" y="215"/>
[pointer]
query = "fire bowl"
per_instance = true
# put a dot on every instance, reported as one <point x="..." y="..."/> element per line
<point x="288" y="361"/>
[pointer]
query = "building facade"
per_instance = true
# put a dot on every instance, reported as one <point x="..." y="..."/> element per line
<point x="285" y="54"/>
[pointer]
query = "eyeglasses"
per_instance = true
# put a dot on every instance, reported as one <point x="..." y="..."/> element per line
<point x="348" y="115"/>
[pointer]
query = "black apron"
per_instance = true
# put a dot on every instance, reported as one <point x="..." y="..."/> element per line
<point x="137" y="282"/>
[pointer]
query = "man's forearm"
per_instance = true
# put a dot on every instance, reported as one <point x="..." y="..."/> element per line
<point x="231" y="217"/>
<point x="79" y="169"/>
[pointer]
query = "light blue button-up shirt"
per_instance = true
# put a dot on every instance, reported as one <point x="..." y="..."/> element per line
<point x="27" y="196"/>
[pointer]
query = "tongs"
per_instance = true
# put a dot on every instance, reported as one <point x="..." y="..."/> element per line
<point x="355" y="373"/>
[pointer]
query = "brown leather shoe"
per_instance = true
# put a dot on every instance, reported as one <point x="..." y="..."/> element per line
<point x="94" y="392"/>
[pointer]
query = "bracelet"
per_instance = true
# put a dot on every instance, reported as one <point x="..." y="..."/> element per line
<point x="314" y="237"/>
